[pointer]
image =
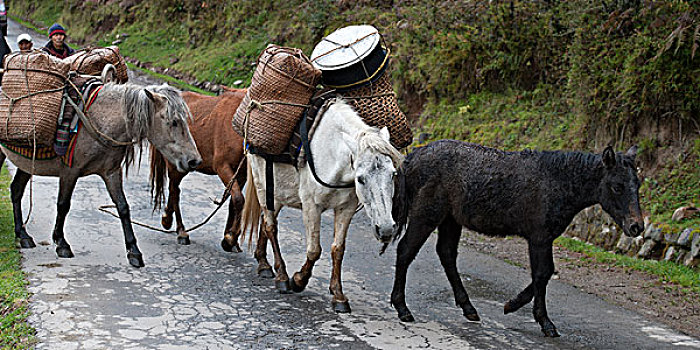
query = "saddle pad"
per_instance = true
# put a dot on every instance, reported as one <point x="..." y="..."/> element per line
<point x="47" y="153"/>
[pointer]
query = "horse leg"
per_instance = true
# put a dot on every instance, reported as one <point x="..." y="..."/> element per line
<point x="167" y="218"/>
<point x="271" y="231"/>
<point x="264" y="268"/>
<point x="312" y="223"/>
<point x="19" y="183"/>
<point x="416" y="234"/>
<point x="448" y="242"/>
<point x="524" y="297"/>
<point x="542" y="265"/>
<point x="113" y="181"/>
<point x="174" y="194"/>
<point x="342" y="223"/>
<point x="65" y="192"/>
<point x="233" y="222"/>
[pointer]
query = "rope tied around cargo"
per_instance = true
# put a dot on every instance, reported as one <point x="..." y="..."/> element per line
<point x="261" y="106"/>
<point x="15" y="99"/>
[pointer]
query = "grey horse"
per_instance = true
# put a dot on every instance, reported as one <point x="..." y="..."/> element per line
<point x="127" y="114"/>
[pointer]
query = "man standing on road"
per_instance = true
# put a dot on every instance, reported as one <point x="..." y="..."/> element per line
<point x="56" y="45"/>
<point x="24" y="42"/>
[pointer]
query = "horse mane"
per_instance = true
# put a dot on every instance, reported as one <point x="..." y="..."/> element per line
<point x="560" y="160"/>
<point x="140" y="111"/>
<point x="371" y="139"/>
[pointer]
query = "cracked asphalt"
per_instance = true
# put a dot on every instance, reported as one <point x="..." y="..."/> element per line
<point x="200" y="297"/>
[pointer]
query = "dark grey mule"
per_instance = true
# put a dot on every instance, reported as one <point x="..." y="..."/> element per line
<point x="449" y="184"/>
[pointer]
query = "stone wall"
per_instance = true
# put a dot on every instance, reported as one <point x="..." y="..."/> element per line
<point x="594" y="226"/>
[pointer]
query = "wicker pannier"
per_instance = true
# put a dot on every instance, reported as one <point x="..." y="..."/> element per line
<point x="31" y="114"/>
<point x="283" y="83"/>
<point x="376" y="104"/>
<point x="91" y="61"/>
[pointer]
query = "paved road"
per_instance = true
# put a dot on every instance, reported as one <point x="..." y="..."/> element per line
<point x="200" y="297"/>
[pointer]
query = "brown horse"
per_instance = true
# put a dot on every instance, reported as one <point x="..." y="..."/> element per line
<point x="222" y="151"/>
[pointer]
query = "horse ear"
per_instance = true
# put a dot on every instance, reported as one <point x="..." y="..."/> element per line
<point x="609" y="157"/>
<point x="384" y="133"/>
<point x="632" y="152"/>
<point x="149" y="95"/>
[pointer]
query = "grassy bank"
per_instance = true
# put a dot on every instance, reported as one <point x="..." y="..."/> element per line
<point x="15" y="332"/>
<point x="667" y="272"/>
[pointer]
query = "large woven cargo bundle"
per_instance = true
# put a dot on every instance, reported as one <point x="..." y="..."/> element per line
<point x="376" y="104"/>
<point x="282" y="85"/>
<point x="354" y="62"/>
<point x="91" y="61"/>
<point x="32" y="89"/>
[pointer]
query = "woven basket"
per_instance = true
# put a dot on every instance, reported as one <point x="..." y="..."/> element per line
<point x="91" y="61"/>
<point x="283" y="83"/>
<point x="34" y="117"/>
<point x="376" y="104"/>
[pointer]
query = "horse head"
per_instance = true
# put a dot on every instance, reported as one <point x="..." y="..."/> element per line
<point x="169" y="131"/>
<point x="375" y="175"/>
<point x="619" y="190"/>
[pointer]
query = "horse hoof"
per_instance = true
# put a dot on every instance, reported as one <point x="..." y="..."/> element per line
<point x="551" y="333"/>
<point x="507" y="308"/>
<point x="473" y="317"/>
<point x="407" y="317"/>
<point x="64" y="252"/>
<point x="266" y="273"/>
<point x="283" y="287"/>
<point x="296" y="287"/>
<point x="226" y="246"/>
<point x="341" y="307"/>
<point x="183" y="240"/>
<point x="166" y="221"/>
<point x="27" y="243"/>
<point x="136" y="260"/>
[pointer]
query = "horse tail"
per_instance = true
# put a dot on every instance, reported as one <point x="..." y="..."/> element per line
<point x="157" y="176"/>
<point x="250" y="216"/>
<point x="401" y="201"/>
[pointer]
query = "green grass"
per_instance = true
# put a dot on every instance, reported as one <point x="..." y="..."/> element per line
<point x="674" y="186"/>
<point x="15" y="332"/>
<point x="513" y="120"/>
<point x="666" y="271"/>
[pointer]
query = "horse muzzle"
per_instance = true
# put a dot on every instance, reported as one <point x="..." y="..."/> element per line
<point x="635" y="229"/>
<point x="194" y="163"/>
<point x="384" y="233"/>
<point x="187" y="165"/>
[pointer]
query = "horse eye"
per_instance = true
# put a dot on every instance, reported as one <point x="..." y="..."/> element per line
<point x="361" y="180"/>
<point x="394" y="174"/>
<point x="175" y="123"/>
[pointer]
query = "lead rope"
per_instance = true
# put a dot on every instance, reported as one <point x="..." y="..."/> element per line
<point x="224" y="196"/>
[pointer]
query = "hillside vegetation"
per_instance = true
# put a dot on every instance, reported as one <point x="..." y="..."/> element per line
<point x="509" y="74"/>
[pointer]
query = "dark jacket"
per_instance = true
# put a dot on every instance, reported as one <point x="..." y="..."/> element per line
<point x="67" y="50"/>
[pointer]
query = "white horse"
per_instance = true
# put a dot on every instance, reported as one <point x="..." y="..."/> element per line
<point x="345" y="151"/>
<point x="124" y="113"/>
